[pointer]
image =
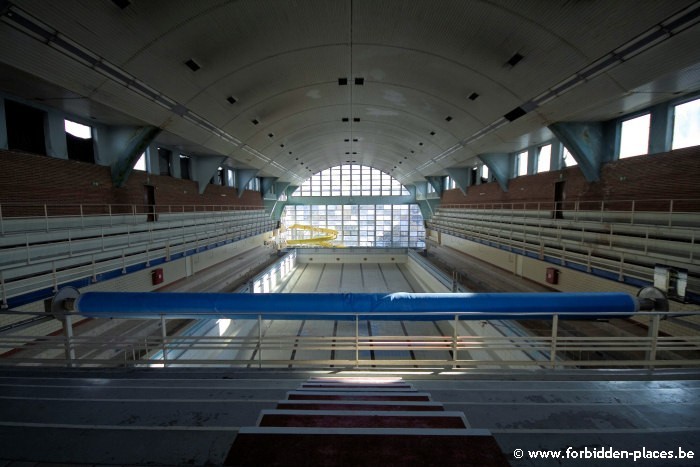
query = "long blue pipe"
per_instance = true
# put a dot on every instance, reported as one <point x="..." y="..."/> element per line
<point x="396" y="306"/>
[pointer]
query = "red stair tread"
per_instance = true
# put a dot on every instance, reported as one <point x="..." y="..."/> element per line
<point x="361" y="421"/>
<point x="369" y="406"/>
<point x="336" y="450"/>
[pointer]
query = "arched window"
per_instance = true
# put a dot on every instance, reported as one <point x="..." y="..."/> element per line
<point x="351" y="180"/>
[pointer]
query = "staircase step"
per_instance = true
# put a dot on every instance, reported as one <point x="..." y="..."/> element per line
<point x="359" y="395"/>
<point x="335" y="447"/>
<point x="356" y="387"/>
<point x="385" y="406"/>
<point x="361" y="419"/>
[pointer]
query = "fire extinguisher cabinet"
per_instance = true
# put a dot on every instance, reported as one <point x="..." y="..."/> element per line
<point x="552" y="276"/>
<point x="157" y="276"/>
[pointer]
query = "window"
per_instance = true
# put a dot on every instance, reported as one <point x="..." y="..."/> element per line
<point x="544" y="158"/>
<point x="79" y="142"/>
<point x="230" y="178"/>
<point x="484" y="173"/>
<point x="141" y="163"/>
<point x="253" y="184"/>
<point x="351" y="180"/>
<point x="25" y="128"/>
<point x="686" y="125"/>
<point x="634" y="136"/>
<point x="450" y="184"/>
<point x="521" y="164"/>
<point x="568" y="159"/>
<point x="366" y="225"/>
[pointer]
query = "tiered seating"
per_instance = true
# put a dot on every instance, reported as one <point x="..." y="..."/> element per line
<point x="36" y="253"/>
<point x="350" y="422"/>
<point x="590" y="239"/>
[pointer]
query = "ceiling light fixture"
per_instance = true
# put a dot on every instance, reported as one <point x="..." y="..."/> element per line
<point x="231" y="100"/>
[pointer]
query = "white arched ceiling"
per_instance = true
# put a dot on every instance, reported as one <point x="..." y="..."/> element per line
<point x="281" y="61"/>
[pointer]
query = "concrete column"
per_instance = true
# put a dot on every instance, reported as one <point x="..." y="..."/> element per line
<point x="175" y="165"/>
<point x="152" y="159"/>
<point x="661" y="129"/>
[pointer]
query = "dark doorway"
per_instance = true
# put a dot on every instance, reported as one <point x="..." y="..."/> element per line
<point x="558" y="200"/>
<point x="149" y="199"/>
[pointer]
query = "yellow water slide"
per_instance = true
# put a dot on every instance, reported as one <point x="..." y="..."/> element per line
<point x="322" y="240"/>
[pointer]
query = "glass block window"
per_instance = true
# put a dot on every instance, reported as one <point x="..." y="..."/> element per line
<point x="365" y="225"/>
<point x="351" y="180"/>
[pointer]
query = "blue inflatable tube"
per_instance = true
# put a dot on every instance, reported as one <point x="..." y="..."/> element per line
<point x="396" y="306"/>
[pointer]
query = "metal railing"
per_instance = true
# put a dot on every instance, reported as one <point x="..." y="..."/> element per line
<point x="667" y="212"/>
<point x="64" y="249"/>
<point x="259" y="347"/>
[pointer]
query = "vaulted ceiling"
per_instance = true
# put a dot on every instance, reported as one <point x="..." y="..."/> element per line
<point x="289" y="88"/>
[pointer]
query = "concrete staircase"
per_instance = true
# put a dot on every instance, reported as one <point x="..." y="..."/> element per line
<point x="356" y="421"/>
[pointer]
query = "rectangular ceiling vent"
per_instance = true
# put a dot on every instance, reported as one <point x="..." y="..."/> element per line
<point x="192" y="65"/>
<point x="359" y="81"/>
<point x="356" y="119"/>
<point x="514" y="60"/>
<point x="342" y="81"/>
<point x="515" y="114"/>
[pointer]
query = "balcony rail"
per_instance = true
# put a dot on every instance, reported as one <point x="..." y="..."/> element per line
<point x="259" y="347"/>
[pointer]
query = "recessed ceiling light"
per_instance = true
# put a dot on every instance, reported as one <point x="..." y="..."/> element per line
<point x="355" y="140"/>
<point x="448" y="119"/>
<point x="356" y="119"/>
<point x="420" y="144"/>
<point x="192" y="65"/>
<point x="255" y="121"/>
<point x="359" y="81"/>
<point x="231" y="99"/>
<point x="342" y="81"/>
<point x="347" y="140"/>
<point x="432" y="133"/>
<point x="270" y="135"/>
<point x="473" y="96"/>
<point x="346" y="119"/>
<point x="281" y="145"/>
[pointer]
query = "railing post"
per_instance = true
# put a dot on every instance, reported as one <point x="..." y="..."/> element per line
<point x="82" y="218"/>
<point x="357" y="341"/>
<point x="2" y="226"/>
<point x="46" y="216"/>
<point x="163" y="336"/>
<point x="553" y="346"/>
<point x="68" y="333"/>
<point x="670" y="213"/>
<point x="454" y="343"/>
<point x="109" y="210"/>
<point x="260" y="336"/>
<point x="654" y="338"/>
<point x="632" y="214"/>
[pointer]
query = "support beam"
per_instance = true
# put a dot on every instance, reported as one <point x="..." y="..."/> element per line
<point x="461" y="177"/>
<point x="291" y="189"/>
<point x="244" y="177"/>
<point x="203" y="168"/>
<point x="121" y="147"/>
<point x="281" y="187"/>
<point x="499" y="165"/>
<point x="586" y="143"/>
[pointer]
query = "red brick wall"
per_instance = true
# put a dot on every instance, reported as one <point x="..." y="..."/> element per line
<point x="33" y="179"/>
<point x="673" y="175"/>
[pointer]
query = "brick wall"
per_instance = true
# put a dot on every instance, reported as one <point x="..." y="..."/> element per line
<point x="34" y="179"/>
<point x="672" y="175"/>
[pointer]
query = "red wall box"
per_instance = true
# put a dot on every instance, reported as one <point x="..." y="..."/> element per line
<point x="552" y="276"/>
<point x="157" y="276"/>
